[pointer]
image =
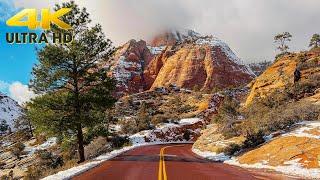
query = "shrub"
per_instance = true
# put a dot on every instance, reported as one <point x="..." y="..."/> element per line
<point x="253" y="139"/>
<point x="17" y="149"/>
<point x="48" y="160"/>
<point x="187" y="135"/>
<point x="97" y="147"/>
<point x="33" y="173"/>
<point x="232" y="149"/>
<point x="4" y="177"/>
<point x="119" y="141"/>
<point x="159" y="118"/>
<point x="2" y="164"/>
<point x="143" y="118"/>
<point x="128" y="126"/>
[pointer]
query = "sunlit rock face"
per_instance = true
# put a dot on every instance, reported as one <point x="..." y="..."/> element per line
<point x="182" y="58"/>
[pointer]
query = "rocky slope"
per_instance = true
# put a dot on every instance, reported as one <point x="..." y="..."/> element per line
<point x="129" y="62"/>
<point x="292" y="149"/>
<point x="186" y="59"/>
<point x="10" y="110"/>
<point x="281" y="74"/>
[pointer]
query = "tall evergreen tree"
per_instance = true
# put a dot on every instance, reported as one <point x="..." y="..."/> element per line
<point x="315" y="41"/>
<point x="75" y="89"/>
<point x="281" y="40"/>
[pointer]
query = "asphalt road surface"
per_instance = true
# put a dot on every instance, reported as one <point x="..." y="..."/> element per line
<point x="167" y="162"/>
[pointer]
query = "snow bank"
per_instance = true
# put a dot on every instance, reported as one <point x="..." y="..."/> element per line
<point x="169" y="130"/>
<point x="211" y="155"/>
<point x="69" y="173"/>
<point x="303" y="131"/>
<point x="189" y="121"/>
<point x="291" y="168"/>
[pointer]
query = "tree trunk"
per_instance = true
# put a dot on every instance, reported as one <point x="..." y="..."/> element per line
<point x="80" y="144"/>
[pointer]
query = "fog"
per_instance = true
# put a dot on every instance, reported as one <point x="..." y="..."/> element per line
<point x="248" y="26"/>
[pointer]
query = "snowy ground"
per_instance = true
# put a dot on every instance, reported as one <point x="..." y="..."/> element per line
<point x="292" y="167"/>
<point x="166" y="128"/>
<point x="211" y="155"/>
<point x="48" y="143"/>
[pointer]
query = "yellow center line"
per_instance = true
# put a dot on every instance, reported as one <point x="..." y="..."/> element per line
<point x="162" y="173"/>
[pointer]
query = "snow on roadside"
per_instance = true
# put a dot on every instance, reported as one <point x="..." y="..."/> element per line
<point x="167" y="129"/>
<point x="211" y="155"/>
<point x="69" y="173"/>
<point x="291" y="168"/>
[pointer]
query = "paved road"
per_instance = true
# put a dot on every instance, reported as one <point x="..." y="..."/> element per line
<point x="166" y="162"/>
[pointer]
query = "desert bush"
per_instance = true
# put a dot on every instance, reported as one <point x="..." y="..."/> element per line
<point x="119" y="141"/>
<point x="17" y="149"/>
<point x="2" y="164"/>
<point x="232" y="149"/>
<point x="143" y="119"/>
<point x="187" y="135"/>
<point x="253" y="139"/>
<point x="128" y="126"/>
<point x="227" y="116"/>
<point x="97" y="147"/>
<point x="33" y="173"/>
<point x="47" y="159"/>
<point x="159" y="118"/>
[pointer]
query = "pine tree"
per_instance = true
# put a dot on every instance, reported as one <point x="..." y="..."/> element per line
<point x="281" y="40"/>
<point x="143" y="118"/>
<point x="315" y="41"/>
<point x="75" y="89"/>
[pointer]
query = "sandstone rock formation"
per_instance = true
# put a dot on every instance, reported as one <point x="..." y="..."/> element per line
<point x="128" y="65"/>
<point x="281" y="74"/>
<point x="185" y="59"/>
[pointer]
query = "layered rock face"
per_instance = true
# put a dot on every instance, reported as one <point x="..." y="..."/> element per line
<point x="129" y="62"/>
<point x="281" y="74"/>
<point x="203" y="62"/>
<point x="185" y="59"/>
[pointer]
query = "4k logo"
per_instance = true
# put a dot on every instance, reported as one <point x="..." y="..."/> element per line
<point x="46" y="19"/>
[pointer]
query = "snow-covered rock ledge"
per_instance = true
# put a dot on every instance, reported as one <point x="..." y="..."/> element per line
<point x="221" y="157"/>
<point x="69" y="173"/>
<point x="283" y="148"/>
<point x="292" y="167"/>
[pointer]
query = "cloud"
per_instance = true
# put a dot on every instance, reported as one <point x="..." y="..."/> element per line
<point x="248" y="26"/>
<point x="20" y="92"/>
<point x="4" y="86"/>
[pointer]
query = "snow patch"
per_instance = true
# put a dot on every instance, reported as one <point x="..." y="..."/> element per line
<point x="211" y="155"/>
<point x="303" y="131"/>
<point x="292" y="167"/>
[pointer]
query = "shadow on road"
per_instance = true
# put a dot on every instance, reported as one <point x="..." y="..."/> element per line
<point x="155" y="158"/>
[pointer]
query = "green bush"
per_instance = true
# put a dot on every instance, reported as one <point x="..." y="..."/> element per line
<point x="253" y="139"/>
<point x="232" y="149"/>
<point x="119" y="141"/>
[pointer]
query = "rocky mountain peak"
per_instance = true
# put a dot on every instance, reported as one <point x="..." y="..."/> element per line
<point x="183" y="58"/>
<point x="10" y="110"/>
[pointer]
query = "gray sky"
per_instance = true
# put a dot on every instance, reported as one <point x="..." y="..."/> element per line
<point x="248" y="26"/>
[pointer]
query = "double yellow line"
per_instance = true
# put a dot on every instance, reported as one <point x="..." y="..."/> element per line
<point x="162" y="173"/>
